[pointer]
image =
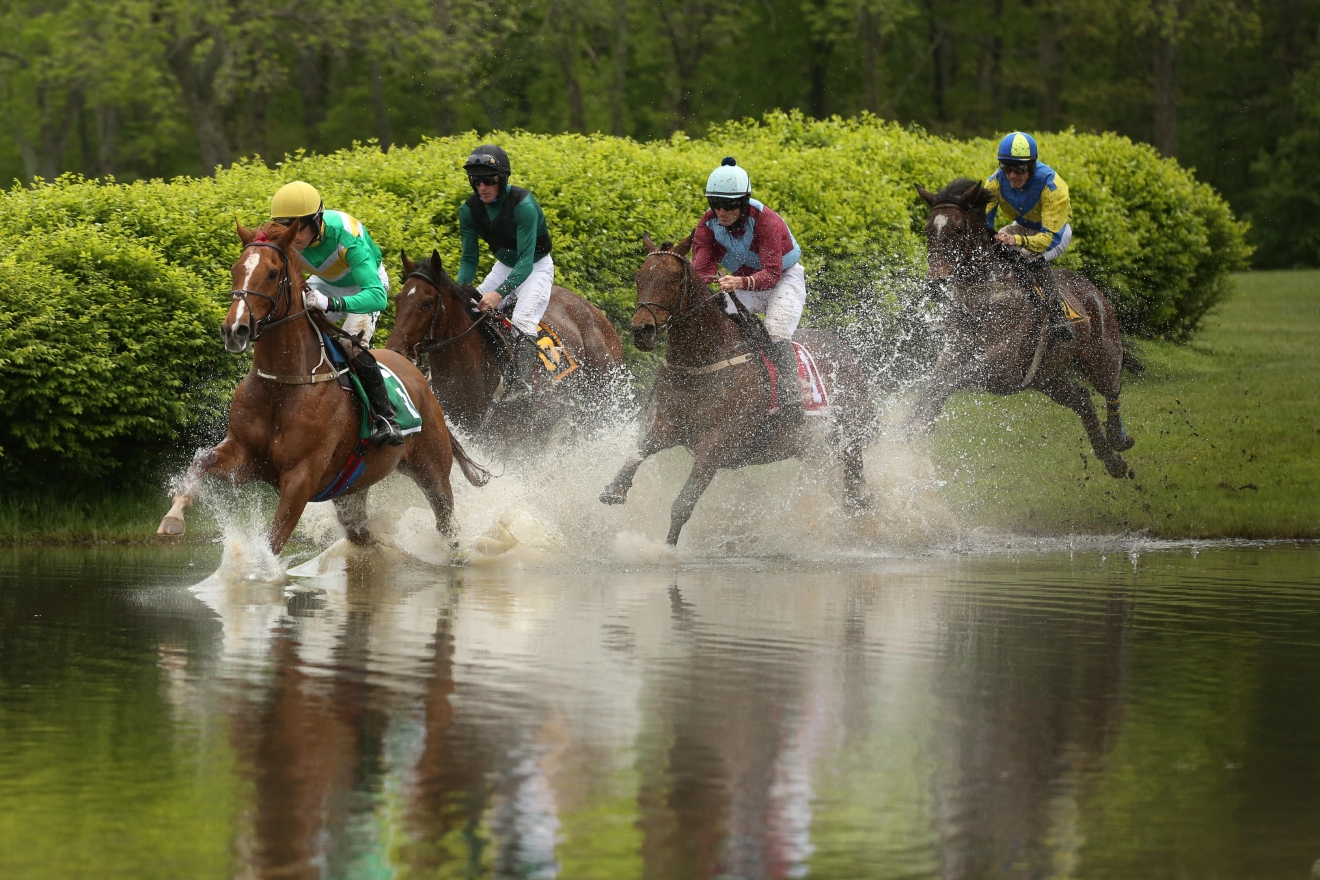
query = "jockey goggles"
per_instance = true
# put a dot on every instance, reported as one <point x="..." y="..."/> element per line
<point x="487" y="179"/>
<point x="724" y="204"/>
<point x="1015" y="167"/>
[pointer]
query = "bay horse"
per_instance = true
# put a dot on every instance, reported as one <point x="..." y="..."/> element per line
<point x="714" y="401"/>
<point x="434" y="319"/>
<point x="997" y="332"/>
<point x="291" y="424"/>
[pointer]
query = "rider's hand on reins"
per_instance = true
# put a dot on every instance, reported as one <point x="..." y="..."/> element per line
<point x="490" y="301"/>
<point x="316" y="300"/>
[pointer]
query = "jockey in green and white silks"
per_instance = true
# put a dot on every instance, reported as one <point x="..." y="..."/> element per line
<point x="1032" y="197"/>
<point x="512" y="224"/>
<point x="347" y="281"/>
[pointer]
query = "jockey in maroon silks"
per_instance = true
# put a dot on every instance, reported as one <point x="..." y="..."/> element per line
<point x="754" y="245"/>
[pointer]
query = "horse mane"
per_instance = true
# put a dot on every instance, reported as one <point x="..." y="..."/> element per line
<point x="956" y="193"/>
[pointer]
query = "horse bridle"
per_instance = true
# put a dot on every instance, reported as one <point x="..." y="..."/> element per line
<point x="283" y="295"/>
<point x="429" y="343"/>
<point x="685" y="286"/>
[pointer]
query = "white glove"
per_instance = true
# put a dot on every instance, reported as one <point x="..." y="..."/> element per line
<point x="314" y="299"/>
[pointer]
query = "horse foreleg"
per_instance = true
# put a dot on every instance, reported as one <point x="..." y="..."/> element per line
<point x="429" y="469"/>
<point x="702" y="473"/>
<point x="296" y="489"/>
<point x="351" y="510"/>
<point x="949" y="375"/>
<point x="1068" y="393"/>
<point x="617" y="491"/>
<point x="224" y="460"/>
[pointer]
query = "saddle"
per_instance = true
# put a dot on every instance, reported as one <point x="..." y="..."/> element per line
<point x="497" y="330"/>
<point x="1035" y="275"/>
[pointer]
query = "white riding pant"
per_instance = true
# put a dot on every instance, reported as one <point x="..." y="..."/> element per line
<point x="782" y="304"/>
<point x="533" y="294"/>
<point x="353" y="324"/>
<point x="1065" y="239"/>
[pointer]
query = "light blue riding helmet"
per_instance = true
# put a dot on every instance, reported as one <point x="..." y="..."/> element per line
<point x="728" y="181"/>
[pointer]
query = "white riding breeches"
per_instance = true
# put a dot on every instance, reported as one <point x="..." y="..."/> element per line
<point x="782" y="304"/>
<point x="533" y="294"/>
<point x="353" y="324"/>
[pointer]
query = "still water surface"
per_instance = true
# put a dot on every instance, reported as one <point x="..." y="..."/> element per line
<point x="965" y="716"/>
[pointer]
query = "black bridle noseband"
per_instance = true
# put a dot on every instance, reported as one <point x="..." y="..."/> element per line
<point x="429" y="343"/>
<point x="686" y="286"/>
<point x="283" y="295"/>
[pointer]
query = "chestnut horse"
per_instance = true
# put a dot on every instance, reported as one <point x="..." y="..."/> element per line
<point x="713" y="400"/>
<point x="997" y="333"/>
<point x="434" y="319"/>
<point x="291" y="424"/>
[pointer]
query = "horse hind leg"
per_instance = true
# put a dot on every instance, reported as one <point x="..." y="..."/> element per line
<point x="225" y="460"/>
<point x="1119" y="440"/>
<point x="428" y="466"/>
<point x="697" y="482"/>
<point x="1068" y="393"/>
<point x="351" y="511"/>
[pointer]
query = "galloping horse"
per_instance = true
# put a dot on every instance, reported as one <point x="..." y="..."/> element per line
<point x="434" y="319"/>
<point x="997" y="333"/>
<point x="715" y="402"/>
<point x="290" y="423"/>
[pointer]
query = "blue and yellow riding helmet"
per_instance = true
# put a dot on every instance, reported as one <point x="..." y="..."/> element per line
<point x="1017" y="148"/>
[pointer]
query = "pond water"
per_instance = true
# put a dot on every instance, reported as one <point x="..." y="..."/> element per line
<point x="1115" y="711"/>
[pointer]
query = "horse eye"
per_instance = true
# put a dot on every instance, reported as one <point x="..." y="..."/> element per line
<point x="272" y="274"/>
<point x="428" y="304"/>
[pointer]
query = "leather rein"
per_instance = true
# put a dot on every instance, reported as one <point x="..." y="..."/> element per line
<point x="686" y="287"/>
<point x="428" y="342"/>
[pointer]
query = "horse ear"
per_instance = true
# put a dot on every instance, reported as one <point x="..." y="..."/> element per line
<point x="974" y="194"/>
<point x="409" y="266"/>
<point x="648" y="244"/>
<point x="684" y="246"/>
<point x="436" y="265"/>
<point x="926" y="195"/>
<point x="245" y="235"/>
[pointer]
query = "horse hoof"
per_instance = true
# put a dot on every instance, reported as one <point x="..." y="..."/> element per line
<point x="171" y="527"/>
<point x="608" y="497"/>
<point x="857" y="503"/>
<point x="1117" y="467"/>
<point x="1125" y="444"/>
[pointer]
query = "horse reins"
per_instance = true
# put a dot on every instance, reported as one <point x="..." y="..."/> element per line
<point x="677" y="313"/>
<point x="428" y="342"/>
<point x="283" y="295"/>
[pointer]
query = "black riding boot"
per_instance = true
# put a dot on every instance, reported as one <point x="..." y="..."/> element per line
<point x="518" y="380"/>
<point x="384" y="428"/>
<point x="790" y="393"/>
<point x="1040" y="270"/>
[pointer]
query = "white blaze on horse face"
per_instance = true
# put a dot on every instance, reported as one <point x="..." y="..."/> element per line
<point x="238" y="312"/>
<point x="940" y="222"/>
<point x="250" y="263"/>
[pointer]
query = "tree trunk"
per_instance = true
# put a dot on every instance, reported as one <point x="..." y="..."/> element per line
<point x="378" y="106"/>
<point x="107" y="139"/>
<point x="821" y="49"/>
<point x="26" y="150"/>
<point x="55" y="132"/>
<point x="618" y="89"/>
<point x="311" y="87"/>
<point x="939" y="40"/>
<point x="1049" y="65"/>
<point x="990" y="73"/>
<point x="1166" y="93"/>
<point x="874" y="42"/>
<point x="566" y="46"/>
<point x="445" y="118"/>
<point x="197" y="83"/>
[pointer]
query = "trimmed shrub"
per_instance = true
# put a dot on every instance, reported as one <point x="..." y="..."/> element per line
<point x="110" y="301"/>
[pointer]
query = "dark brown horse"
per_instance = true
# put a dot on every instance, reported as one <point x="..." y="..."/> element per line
<point x="714" y="401"/>
<point x="998" y="335"/>
<point x="434" y="319"/>
<point x="290" y="423"/>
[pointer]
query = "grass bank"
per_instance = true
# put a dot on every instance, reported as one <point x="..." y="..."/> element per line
<point x="1227" y="430"/>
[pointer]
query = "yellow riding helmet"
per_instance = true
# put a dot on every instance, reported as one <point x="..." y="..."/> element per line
<point x="297" y="199"/>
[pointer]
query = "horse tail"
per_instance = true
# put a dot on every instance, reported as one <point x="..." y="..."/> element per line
<point x="1131" y="364"/>
<point x="475" y="473"/>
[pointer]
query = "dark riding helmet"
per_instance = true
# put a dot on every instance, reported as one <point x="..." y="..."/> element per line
<point x="488" y="160"/>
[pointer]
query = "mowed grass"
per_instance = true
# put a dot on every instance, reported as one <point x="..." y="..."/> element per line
<point x="1227" y="430"/>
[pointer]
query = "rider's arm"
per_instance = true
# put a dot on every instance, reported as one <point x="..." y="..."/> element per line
<point x="467" y="231"/>
<point x="364" y="269"/>
<point x="771" y="241"/>
<point x="992" y="186"/>
<point x="706" y="251"/>
<point x="526" y="217"/>
<point x="1055" y="208"/>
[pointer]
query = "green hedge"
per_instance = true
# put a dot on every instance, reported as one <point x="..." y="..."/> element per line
<point x="111" y="294"/>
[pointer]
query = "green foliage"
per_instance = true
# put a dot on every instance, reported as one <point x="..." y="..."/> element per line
<point x="110" y="299"/>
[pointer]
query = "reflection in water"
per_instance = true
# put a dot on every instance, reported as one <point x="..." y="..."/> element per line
<point x="953" y="718"/>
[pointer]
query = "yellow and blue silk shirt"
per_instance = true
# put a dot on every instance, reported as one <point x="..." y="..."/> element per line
<point x="346" y="257"/>
<point x="1042" y="206"/>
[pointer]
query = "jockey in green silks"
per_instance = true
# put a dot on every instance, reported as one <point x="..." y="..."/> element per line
<point x="512" y="224"/>
<point x="1034" y="198"/>
<point x="347" y="280"/>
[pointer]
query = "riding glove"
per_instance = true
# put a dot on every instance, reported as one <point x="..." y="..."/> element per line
<point x="316" y="299"/>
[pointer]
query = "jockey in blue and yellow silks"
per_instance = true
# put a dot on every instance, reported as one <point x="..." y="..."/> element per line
<point x="1032" y="197"/>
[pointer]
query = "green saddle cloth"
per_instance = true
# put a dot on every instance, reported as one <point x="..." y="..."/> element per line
<point x="405" y="411"/>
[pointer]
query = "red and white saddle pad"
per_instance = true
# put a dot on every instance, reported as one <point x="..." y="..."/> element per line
<point x="815" y="399"/>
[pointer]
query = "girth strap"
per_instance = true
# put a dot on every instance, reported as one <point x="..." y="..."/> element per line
<point x="709" y="368"/>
